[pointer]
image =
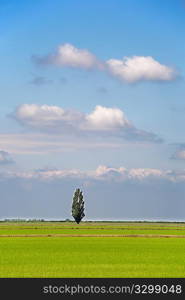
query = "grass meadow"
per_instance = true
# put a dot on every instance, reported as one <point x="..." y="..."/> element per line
<point x="92" y="249"/>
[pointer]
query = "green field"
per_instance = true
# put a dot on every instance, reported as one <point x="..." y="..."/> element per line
<point x="51" y="249"/>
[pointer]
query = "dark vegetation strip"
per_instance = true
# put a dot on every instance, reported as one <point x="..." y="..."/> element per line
<point x="94" y="235"/>
<point x="90" y="228"/>
<point x="82" y="226"/>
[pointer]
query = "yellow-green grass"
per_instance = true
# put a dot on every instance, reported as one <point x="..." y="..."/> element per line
<point x="91" y="256"/>
<point x="78" y="232"/>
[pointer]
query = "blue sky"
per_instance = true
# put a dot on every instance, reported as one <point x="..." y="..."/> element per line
<point x="86" y="84"/>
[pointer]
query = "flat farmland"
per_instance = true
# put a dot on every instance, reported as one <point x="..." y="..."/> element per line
<point x="92" y="249"/>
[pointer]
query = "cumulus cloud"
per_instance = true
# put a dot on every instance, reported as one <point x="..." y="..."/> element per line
<point x="105" y="118"/>
<point x="46" y="116"/>
<point x="5" y="158"/>
<point x="128" y="69"/>
<point x="68" y="55"/>
<point x="104" y="172"/>
<point x="102" y="121"/>
<point x="137" y="68"/>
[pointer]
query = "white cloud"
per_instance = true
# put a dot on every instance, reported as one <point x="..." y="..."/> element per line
<point x="68" y="55"/>
<point x="102" y="118"/>
<point x="126" y="174"/>
<point x="129" y="69"/>
<point x="102" y="170"/>
<point x="106" y="118"/>
<point x="137" y="68"/>
<point x="102" y="173"/>
<point x="45" y="116"/>
<point x="142" y="173"/>
<point x="5" y="158"/>
<point x="46" y="174"/>
<point x="102" y="121"/>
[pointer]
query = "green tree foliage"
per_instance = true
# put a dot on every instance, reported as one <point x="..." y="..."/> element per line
<point x="78" y="206"/>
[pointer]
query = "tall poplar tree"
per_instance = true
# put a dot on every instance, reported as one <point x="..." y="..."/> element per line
<point x="78" y="206"/>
